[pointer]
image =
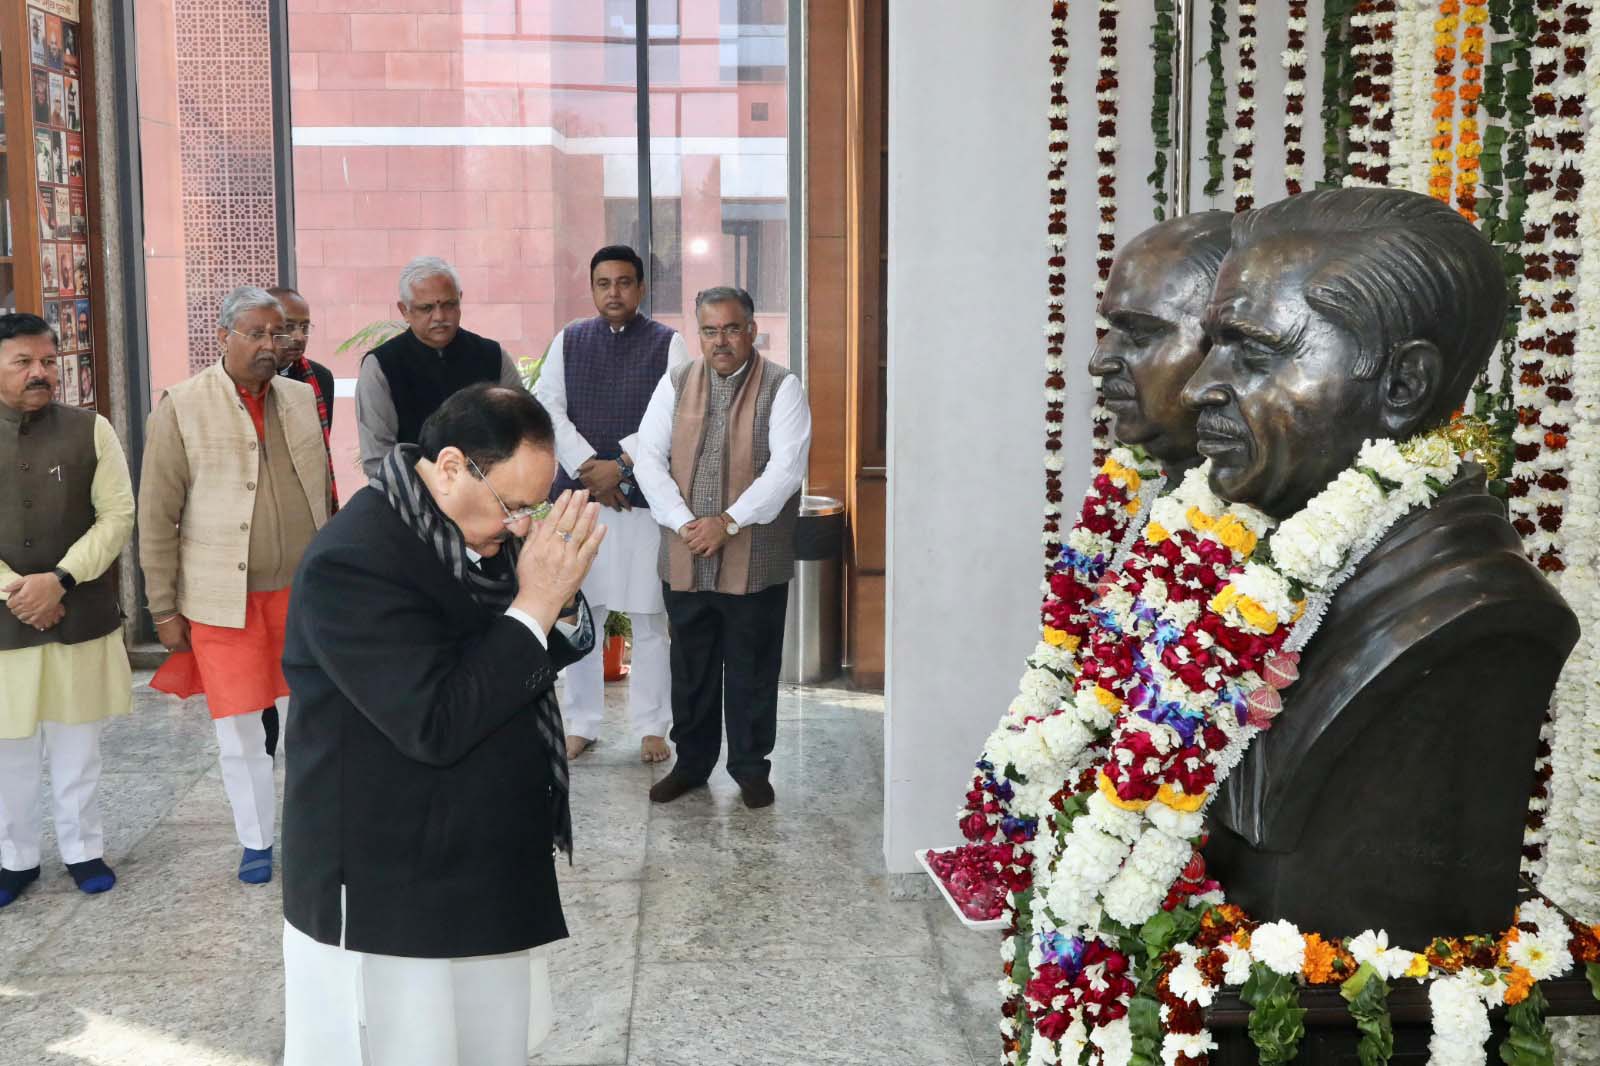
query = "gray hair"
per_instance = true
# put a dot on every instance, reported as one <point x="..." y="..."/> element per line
<point x="421" y="269"/>
<point x="722" y="294"/>
<point x="245" y="298"/>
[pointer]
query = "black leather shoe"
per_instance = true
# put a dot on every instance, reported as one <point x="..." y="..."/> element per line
<point x="757" y="793"/>
<point x="676" y="783"/>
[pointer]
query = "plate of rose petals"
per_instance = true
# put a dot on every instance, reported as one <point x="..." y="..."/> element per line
<point x="968" y="882"/>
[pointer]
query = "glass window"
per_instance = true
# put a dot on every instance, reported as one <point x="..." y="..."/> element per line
<point x="622" y="26"/>
<point x="756" y="250"/>
<point x="666" y="264"/>
<point x="754" y="41"/>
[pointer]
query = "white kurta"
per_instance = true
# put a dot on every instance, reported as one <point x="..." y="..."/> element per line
<point x="625" y="575"/>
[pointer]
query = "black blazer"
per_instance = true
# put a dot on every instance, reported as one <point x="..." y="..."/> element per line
<point x="416" y="776"/>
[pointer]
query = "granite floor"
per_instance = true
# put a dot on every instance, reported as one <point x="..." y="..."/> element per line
<point x="702" y="932"/>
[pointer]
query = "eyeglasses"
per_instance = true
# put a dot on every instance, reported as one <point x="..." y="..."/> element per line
<point x="711" y="333"/>
<point x="537" y="512"/>
<point x="256" y="336"/>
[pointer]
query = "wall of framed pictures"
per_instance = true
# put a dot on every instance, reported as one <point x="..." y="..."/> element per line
<point x="51" y="265"/>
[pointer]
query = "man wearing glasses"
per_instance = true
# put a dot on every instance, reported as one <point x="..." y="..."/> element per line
<point x="722" y="453"/>
<point x="406" y="378"/>
<point x="428" y="791"/>
<point x="235" y="484"/>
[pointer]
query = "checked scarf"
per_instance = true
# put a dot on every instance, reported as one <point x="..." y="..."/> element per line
<point x="401" y="485"/>
<point x="300" y="370"/>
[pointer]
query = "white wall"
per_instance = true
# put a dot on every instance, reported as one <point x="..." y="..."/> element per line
<point x="968" y="91"/>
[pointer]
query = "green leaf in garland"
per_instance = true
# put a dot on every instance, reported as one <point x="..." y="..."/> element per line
<point x="1216" y="98"/>
<point x="1592" y="971"/>
<point x="1368" y="995"/>
<point x="1277" y="1021"/>
<point x="1529" y="1043"/>
<point x="1164" y="45"/>
<point x="1336" y="72"/>
<point x="1144" y="1022"/>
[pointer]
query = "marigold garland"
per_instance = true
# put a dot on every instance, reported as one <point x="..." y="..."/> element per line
<point x="1469" y="144"/>
<point x="1444" y="98"/>
<point x="1294" y="99"/>
<point x="1244" y="116"/>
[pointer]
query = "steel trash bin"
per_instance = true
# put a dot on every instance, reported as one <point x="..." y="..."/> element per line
<point x="811" y="627"/>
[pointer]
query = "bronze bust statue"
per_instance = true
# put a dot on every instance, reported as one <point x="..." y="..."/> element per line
<point x="1391" y="792"/>
<point x="1154" y="299"/>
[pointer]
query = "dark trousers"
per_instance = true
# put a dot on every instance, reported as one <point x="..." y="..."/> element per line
<point x="726" y="655"/>
<point x="269" y="722"/>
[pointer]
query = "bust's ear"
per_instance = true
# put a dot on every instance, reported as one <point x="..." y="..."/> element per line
<point x="1410" y="383"/>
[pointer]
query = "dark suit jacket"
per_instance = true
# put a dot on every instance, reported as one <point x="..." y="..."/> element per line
<point x="417" y="779"/>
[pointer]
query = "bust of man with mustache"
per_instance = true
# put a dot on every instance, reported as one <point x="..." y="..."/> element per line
<point x="1157" y="291"/>
<point x="1391" y="792"/>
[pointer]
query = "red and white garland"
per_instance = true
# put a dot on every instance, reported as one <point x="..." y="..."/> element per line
<point x="1380" y="129"/>
<point x="1549" y="323"/>
<point x="1361" y="59"/>
<point x="1294" y="100"/>
<point x="1106" y="97"/>
<point x="1244" y="114"/>
<point x="1055" y="380"/>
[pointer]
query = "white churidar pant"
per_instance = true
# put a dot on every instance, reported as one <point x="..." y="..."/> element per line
<point x="74" y="754"/>
<point x="583" y="697"/>
<point x="247" y="777"/>
<point x="351" y="1008"/>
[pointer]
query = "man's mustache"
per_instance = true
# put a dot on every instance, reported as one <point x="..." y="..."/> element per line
<point x="38" y="383"/>
<point x="1115" y="388"/>
<point x="1213" y="423"/>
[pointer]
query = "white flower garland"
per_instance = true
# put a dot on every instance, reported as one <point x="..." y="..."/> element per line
<point x="1294" y="98"/>
<point x="1404" y="100"/>
<point x="1107" y="100"/>
<point x="1358" y="158"/>
<point x="1244" y="114"/>
<point x="1572" y="875"/>
<point x="1420" y="135"/>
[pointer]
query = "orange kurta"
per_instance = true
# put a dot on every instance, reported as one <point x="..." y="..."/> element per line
<point x="240" y="671"/>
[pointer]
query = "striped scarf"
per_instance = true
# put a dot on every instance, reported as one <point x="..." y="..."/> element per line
<point x="300" y="370"/>
<point x="403" y="487"/>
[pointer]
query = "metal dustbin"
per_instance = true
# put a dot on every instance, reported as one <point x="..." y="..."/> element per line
<point x="811" y="626"/>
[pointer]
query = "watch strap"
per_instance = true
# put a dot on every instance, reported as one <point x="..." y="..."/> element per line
<point x="67" y="580"/>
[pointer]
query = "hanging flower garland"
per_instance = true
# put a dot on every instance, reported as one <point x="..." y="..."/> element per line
<point x="1216" y="98"/>
<point x="1055" y="382"/>
<point x="1244" y="116"/>
<point x="1402" y="98"/>
<point x="1544" y="334"/>
<point x="1380" y="136"/>
<point x="1294" y="99"/>
<point x="1423" y="64"/>
<point x="1107" y="98"/>
<point x="1444" y="98"/>
<point x="1357" y="158"/>
<point x="1469" y="142"/>
<point x="1336" y="76"/>
<point x="1162" y="100"/>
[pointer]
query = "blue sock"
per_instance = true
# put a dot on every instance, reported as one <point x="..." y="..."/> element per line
<point x="12" y="882"/>
<point x="255" y="868"/>
<point x="92" y="876"/>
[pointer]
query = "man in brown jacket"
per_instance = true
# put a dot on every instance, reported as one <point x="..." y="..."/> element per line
<point x="235" y="486"/>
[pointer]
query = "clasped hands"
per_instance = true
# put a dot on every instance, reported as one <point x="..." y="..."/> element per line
<point x="705" y="536"/>
<point x="36" y="600"/>
<point x="556" y="557"/>
<point x="603" y="479"/>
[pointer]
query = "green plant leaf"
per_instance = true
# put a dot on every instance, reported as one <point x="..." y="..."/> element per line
<point x="1529" y="1042"/>
<point x="1368" y="995"/>
<point x="1277" y="1021"/>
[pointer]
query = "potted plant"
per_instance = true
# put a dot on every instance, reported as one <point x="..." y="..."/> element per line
<point x="618" y="629"/>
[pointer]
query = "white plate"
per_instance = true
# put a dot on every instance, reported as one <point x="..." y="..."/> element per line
<point x="970" y="923"/>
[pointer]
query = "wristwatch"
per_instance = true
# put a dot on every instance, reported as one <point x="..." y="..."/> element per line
<point x="731" y="528"/>
<point x="627" y="471"/>
<point x="66" y="579"/>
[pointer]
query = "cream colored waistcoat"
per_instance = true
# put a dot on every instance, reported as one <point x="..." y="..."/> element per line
<point x="224" y="472"/>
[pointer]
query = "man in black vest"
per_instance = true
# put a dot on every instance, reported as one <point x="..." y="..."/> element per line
<point x="405" y="379"/>
<point x="597" y="380"/>
<point x="65" y="514"/>
<point x="428" y="787"/>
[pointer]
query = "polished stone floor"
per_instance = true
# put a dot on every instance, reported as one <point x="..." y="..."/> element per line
<point x="702" y="932"/>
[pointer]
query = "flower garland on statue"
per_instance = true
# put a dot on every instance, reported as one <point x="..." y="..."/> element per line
<point x="1207" y="625"/>
<point x="1244" y="115"/>
<point x="1294" y="99"/>
<point x="1055" y="381"/>
<point x="1444" y="98"/>
<point x="1004" y="801"/>
<point x="1466" y="977"/>
<point x="1469" y="143"/>
<point x="1549" y="320"/>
